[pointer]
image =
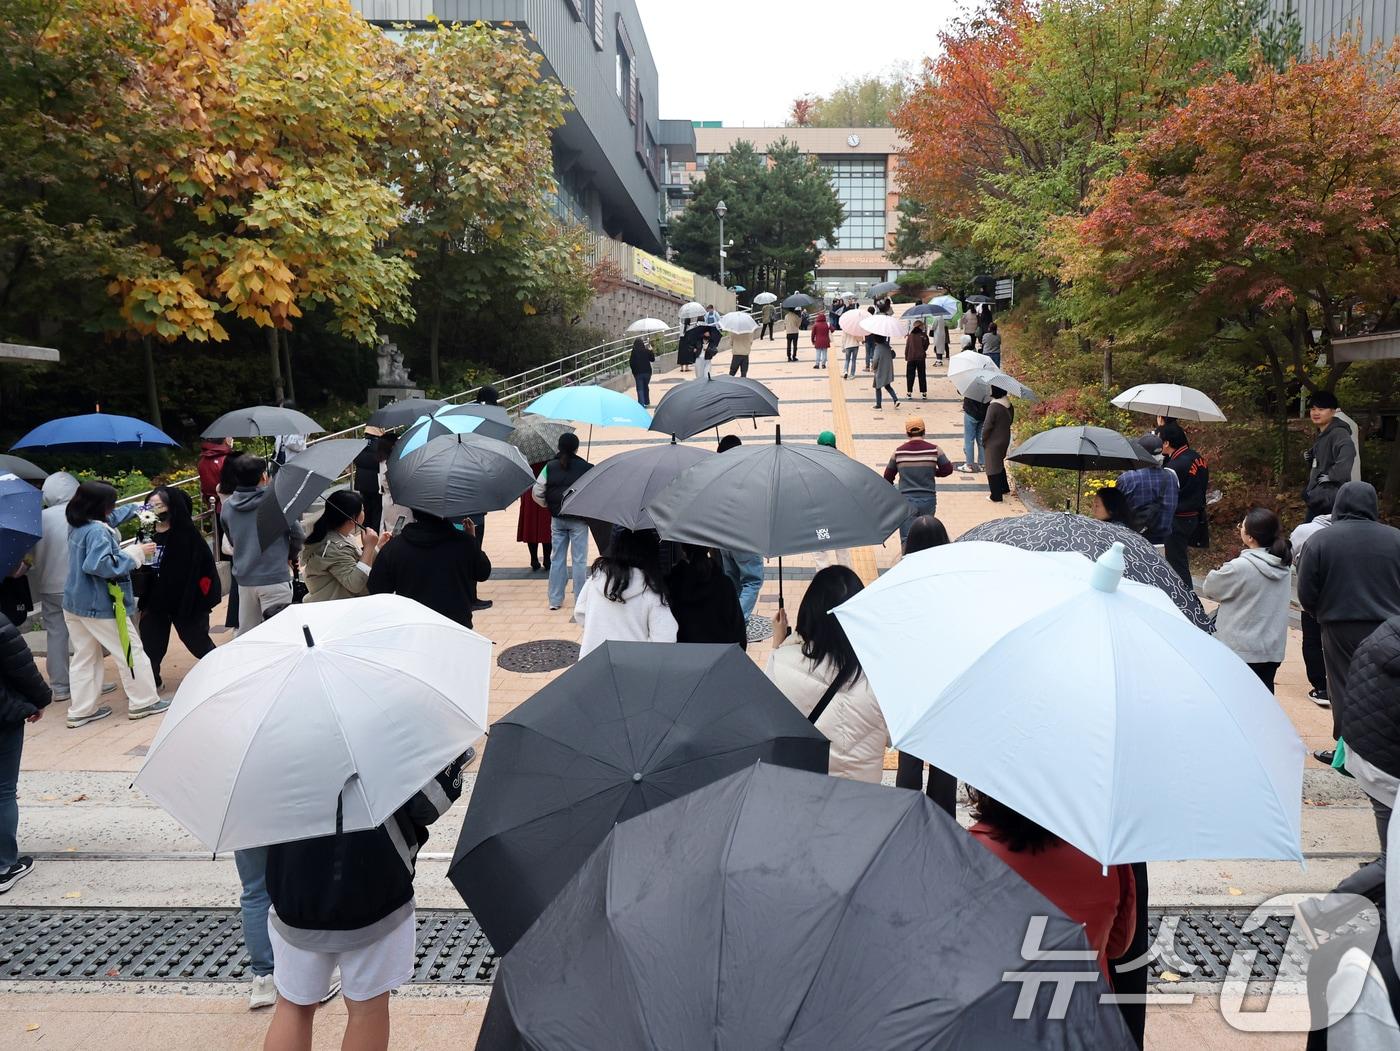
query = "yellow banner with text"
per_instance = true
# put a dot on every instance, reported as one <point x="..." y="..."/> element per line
<point x="650" y="270"/>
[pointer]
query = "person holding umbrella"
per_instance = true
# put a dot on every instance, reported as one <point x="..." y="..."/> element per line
<point x="1193" y="475"/>
<point x="704" y="600"/>
<point x="969" y="325"/>
<point x="996" y="440"/>
<point x="917" y="464"/>
<point x="916" y="360"/>
<point x="821" y="339"/>
<point x="850" y="346"/>
<point x="640" y="364"/>
<point x="883" y="380"/>
<point x="767" y="316"/>
<point x="184" y="587"/>
<point x="336" y="566"/>
<point x="940" y="339"/>
<point x="792" y="326"/>
<point x="97" y="605"/>
<point x="366" y="478"/>
<point x="568" y="535"/>
<point x="264" y="574"/>
<point x="819" y="672"/>
<point x="624" y="599"/>
<point x="743" y="568"/>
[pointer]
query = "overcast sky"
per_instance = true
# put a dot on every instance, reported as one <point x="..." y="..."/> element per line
<point x="713" y="68"/>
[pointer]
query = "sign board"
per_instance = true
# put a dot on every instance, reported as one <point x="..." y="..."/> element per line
<point x="657" y="272"/>
<point x="1006" y="289"/>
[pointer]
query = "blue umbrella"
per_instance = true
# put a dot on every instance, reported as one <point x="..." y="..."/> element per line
<point x="426" y="428"/>
<point x="20" y="508"/>
<point x="593" y="405"/>
<point x="97" y="431"/>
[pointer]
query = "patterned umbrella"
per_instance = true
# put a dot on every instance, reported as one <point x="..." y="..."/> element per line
<point x="1056" y="531"/>
<point x="537" y="437"/>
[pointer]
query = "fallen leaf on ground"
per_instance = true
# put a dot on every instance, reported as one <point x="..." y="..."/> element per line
<point x="31" y="1027"/>
<point x="1235" y="891"/>
<point x="74" y="894"/>
<point x="47" y="799"/>
<point x="1170" y="976"/>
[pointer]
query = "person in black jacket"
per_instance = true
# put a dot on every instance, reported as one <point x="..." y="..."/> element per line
<point x="568" y="535"/>
<point x="367" y="462"/>
<point x="640" y="362"/>
<point x="435" y="562"/>
<point x="1193" y="474"/>
<point x="346" y="901"/>
<point x="182" y="585"/>
<point x="23" y="697"/>
<point x="703" y="599"/>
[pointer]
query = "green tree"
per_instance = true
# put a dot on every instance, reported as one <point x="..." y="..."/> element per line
<point x="861" y="102"/>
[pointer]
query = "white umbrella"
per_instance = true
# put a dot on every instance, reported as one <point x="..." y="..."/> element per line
<point x="738" y="321"/>
<point x="977" y="385"/>
<point x="970" y="361"/>
<point x="647" y="326"/>
<point x="692" y="309"/>
<point x="948" y="303"/>
<point x="359" y="702"/>
<point x="850" y="323"/>
<point x="764" y="298"/>
<point x="886" y="325"/>
<point x="1170" y="399"/>
<point x="1085" y="702"/>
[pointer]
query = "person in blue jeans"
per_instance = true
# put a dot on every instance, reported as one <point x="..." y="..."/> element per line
<point x="568" y="535"/>
<point x="744" y="568"/>
<point x="974" y="452"/>
<point x="254" y="903"/>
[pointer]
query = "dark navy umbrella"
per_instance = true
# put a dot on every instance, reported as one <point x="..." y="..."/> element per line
<point x="20" y="508"/>
<point x="798" y="301"/>
<point x="630" y="727"/>
<point x="929" y="310"/>
<point x="619" y="489"/>
<point x="95" y="431"/>
<point x="779" y="909"/>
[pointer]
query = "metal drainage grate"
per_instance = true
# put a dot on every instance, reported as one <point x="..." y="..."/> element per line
<point x="545" y="655"/>
<point x="206" y="945"/>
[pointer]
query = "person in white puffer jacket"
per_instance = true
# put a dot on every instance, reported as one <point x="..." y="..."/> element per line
<point x="624" y="599"/>
<point x="806" y="664"/>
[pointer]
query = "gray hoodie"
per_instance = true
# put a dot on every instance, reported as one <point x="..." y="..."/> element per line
<point x="50" y="571"/>
<point x="1254" y="592"/>
<point x="253" y="565"/>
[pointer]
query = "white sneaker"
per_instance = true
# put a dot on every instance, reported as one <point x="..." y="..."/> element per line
<point x="334" y="990"/>
<point x="263" y="993"/>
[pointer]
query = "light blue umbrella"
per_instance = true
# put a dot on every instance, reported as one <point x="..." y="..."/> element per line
<point x="443" y="421"/>
<point x="593" y="405"/>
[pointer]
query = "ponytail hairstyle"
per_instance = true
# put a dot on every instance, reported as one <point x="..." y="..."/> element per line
<point x="343" y="505"/>
<point x="1265" y="528"/>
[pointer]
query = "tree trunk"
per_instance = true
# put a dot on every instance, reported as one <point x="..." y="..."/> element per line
<point x="434" y="369"/>
<point x="273" y="347"/>
<point x="152" y="394"/>
<point x="286" y="341"/>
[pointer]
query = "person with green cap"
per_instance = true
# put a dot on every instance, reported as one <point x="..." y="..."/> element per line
<point x="827" y="438"/>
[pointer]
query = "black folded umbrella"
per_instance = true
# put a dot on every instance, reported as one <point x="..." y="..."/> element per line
<point x="300" y="481"/>
<point x="778" y="909"/>
<point x="631" y="726"/>
<point x="689" y="408"/>
<point x="618" y="489"/>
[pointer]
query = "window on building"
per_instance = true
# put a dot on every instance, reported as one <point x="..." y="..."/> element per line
<point x="627" y="88"/>
<point x="859" y="183"/>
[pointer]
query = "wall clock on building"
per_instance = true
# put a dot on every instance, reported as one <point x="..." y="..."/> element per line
<point x="853" y="140"/>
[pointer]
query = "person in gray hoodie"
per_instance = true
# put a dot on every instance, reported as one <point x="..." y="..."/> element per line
<point x="1254" y="592"/>
<point x="264" y="574"/>
<point x="1331" y="457"/>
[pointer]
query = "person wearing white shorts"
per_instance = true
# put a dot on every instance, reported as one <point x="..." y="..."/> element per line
<point x="303" y="975"/>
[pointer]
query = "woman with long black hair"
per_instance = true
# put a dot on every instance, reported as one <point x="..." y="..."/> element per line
<point x="336" y="566"/>
<point x="184" y="585"/>
<point x="624" y="599"/>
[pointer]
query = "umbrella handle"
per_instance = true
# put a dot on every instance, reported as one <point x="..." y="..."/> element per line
<point x="780" y="581"/>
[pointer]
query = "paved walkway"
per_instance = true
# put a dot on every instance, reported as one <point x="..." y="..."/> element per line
<point x="91" y="830"/>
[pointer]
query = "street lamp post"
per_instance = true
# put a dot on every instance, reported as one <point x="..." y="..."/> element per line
<point x="721" y="211"/>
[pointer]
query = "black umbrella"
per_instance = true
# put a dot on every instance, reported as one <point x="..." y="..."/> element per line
<point x="782" y="909"/>
<point x="300" y="481"/>
<point x="777" y="500"/>
<point x="22" y="468"/>
<point x="630" y="727"/>
<point x="979" y="299"/>
<point x="537" y="437"/>
<point x="619" y="489"/>
<point x="259" y="421"/>
<point x="496" y="422"/>
<point x="1057" y="531"/>
<point x="1081" y="449"/>
<point x="798" y="301"/>
<point x="403" y="412"/>
<point x="928" y="310"/>
<point x="689" y="408"/>
<point x="458" y="475"/>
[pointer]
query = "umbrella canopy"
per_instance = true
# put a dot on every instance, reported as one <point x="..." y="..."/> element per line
<point x="978" y="385"/>
<point x="980" y="299"/>
<point x="22" y="468"/>
<point x="257" y="421"/>
<point x="928" y="310"/>
<point x="647" y="326"/>
<point x="537" y="438"/>
<point x="798" y="301"/>
<point x="782" y="909"/>
<point x="95" y="431"/>
<point x="689" y="408"/>
<point x="948" y="303"/>
<point x="21" y="508"/>
<point x="496" y="421"/>
<point x="764" y="298"/>
<point x="619" y="489"/>
<point x="1170" y="399"/>
<point x="970" y="361"/>
<point x="739" y="321"/>
<point x="628" y="728"/>
<point x="1056" y="531"/>
<point x="459" y="475"/>
<point x="1063" y="688"/>
<point x="1080" y="449"/>
<point x="426" y="428"/>
<point x="690" y="310"/>
<point x="779" y="500"/>
<point x="403" y="412"/>
<point x="300" y="481"/>
<point x="593" y="405"/>
<point x="850" y="323"/>
<point x="886" y="325"/>
<point x="359" y="702"/>
<point x="883" y="288"/>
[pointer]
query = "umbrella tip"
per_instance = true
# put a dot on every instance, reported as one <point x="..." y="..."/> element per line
<point x="306" y="630"/>
<point x="1108" y="569"/>
<point x="636" y="778"/>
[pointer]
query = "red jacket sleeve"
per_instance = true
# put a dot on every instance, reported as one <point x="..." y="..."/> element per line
<point x="1125" y="923"/>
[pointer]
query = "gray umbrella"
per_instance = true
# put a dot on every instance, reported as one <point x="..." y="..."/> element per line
<point x="779" y="500"/>
<point x="978" y="385"/>
<point x="457" y="475"/>
<point x="496" y="422"/>
<point x="300" y="481"/>
<point x="619" y="489"/>
<point x="403" y="412"/>
<point x="784" y="909"/>
<point x="689" y="408"/>
<point x="1081" y="449"/>
<point x="928" y="310"/>
<point x="22" y="469"/>
<point x="537" y="437"/>
<point x="259" y="421"/>
<point x="798" y="301"/>
<point x="884" y="288"/>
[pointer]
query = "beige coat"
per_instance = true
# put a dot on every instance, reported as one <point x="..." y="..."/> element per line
<point x="852" y="721"/>
<point x="332" y="570"/>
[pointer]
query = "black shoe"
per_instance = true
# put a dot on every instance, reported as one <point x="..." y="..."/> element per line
<point x="480" y="604"/>
<point x="1325" y="757"/>
<point x="1320" y="698"/>
<point x="16" y="872"/>
<point x="534" y="567"/>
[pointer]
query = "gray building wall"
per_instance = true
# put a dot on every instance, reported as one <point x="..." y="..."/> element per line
<point x="1323" y="21"/>
<point x="596" y="149"/>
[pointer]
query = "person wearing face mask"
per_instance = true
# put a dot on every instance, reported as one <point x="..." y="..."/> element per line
<point x="335" y="564"/>
<point x="182" y="586"/>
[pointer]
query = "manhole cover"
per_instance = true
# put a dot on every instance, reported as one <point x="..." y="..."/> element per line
<point x="760" y="628"/>
<point x="534" y="657"/>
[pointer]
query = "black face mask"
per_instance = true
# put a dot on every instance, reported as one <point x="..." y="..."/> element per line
<point x="163" y="516"/>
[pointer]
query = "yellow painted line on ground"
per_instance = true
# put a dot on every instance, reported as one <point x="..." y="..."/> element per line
<point x="862" y="558"/>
